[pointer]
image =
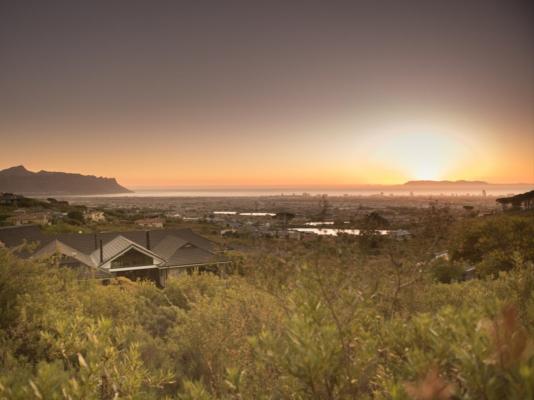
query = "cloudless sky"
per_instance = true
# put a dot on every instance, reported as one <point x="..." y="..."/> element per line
<point x="263" y="93"/>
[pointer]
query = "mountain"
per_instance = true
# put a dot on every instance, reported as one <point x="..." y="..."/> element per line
<point x="445" y="183"/>
<point x="19" y="180"/>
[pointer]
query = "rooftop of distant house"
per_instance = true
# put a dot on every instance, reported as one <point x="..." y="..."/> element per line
<point x="170" y="248"/>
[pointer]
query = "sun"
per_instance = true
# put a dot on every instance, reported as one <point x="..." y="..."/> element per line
<point x="420" y="153"/>
<point x="426" y="173"/>
<point x="425" y="156"/>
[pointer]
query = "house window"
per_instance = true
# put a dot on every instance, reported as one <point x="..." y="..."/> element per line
<point x="132" y="258"/>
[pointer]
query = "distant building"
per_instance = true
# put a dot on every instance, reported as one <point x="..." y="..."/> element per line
<point x="229" y="232"/>
<point x="9" y="199"/>
<point x="443" y="255"/>
<point x="400" y="234"/>
<point x="151" y="222"/>
<point x="152" y="255"/>
<point x="190" y="218"/>
<point x="173" y="214"/>
<point x="295" y="235"/>
<point x="469" y="273"/>
<point x="95" y="216"/>
<point x="37" y="218"/>
<point x="519" y="201"/>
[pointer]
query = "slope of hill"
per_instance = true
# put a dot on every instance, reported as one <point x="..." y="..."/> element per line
<point x="19" y="180"/>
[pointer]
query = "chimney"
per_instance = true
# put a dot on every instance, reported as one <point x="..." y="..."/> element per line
<point x="96" y="242"/>
<point x="148" y="240"/>
<point x="101" y="252"/>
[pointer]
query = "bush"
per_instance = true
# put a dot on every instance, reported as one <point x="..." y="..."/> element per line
<point x="319" y="320"/>
<point x="447" y="272"/>
<point x="502" y="234"/>
<point x="76" y="215"/>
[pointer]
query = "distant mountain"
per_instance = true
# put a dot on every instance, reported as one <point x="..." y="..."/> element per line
<point x="445" y="183"/>
<point x="19" y="180"/>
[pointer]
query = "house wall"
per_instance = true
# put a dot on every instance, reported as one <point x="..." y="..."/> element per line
<point x="132" y="258"/>
<point x="107" y="265"/>
<point x="96" y="217"/>
<point x="213" y="268"/>
<point x="173" y="272"/>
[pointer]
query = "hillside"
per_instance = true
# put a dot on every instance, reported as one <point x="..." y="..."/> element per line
<point x="371" y="318"/>
<point x="19" y="180"/>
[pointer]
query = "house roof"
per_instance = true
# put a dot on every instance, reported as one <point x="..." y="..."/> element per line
<point x="169" y="245"/>
<point x="518" y="198"/>
<point x="14" y="236"/>
<point x="56" y="246"/>
<point x="117" y="246"/>
<point x="191" y="256"/>
<point x="89" y="242"/>
<point x="175" y="247"/>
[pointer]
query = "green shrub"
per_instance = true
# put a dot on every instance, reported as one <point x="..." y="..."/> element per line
<point x="447" y="272"/>
<point x="314" y="320"/>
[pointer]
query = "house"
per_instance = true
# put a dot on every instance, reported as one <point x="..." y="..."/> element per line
<point x="151" y="222"/>
<point x="153" y="255"/>
<point x="443" y="255"/>
<point x="173" y="214"/>
<point x="469" y="273"/>
<point x="519" y="201"/>
<point x="95" y="216"/>
<point x="39" y="218"/>
<point x="9" y="199"/>
<point x="282" y="234"/>
<point x="400" y="234"/>
<point x="229" y="232"/>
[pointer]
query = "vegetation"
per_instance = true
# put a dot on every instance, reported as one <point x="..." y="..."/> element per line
<point x="328" y="318"/>
<point x="76" y="216"/>
<point x="61" y="213"/>
<point x="494" y="244"/>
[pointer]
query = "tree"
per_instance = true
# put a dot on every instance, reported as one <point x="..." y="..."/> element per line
<point x="285" y="217"/>
<point x="76" y="215"/>
<point x="324" y="207"/>
<point x="446" y="272"/>
<point x="375" y="221"/>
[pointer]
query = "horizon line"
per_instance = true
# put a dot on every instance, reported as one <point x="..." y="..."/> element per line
<point x="305" y="187"/>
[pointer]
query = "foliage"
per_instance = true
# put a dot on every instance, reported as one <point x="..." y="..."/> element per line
<point x="494" y="240"/>
<point x="446" y="272"/>
<point x="375" y="221"/>
<point x="66" y="227"/>
<point x="318" y="319"/>
<point x="76" y="215"/>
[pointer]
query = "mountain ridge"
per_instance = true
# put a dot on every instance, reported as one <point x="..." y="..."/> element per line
<point x="20" y="180"/>
<point x="444" y="183"/>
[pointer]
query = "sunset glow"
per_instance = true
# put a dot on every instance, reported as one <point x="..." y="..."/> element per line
<point x="421" y="152"/>
<point x="324" y="96"/>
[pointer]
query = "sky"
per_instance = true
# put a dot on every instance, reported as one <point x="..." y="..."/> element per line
<point x="268" y="93"/>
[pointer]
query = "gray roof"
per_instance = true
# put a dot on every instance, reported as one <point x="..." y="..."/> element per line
<point x="169" y="245"/>
<point x="175" y="246"/>
<point x="56" y="246"/>
<point x="89" y="242"/>
<point x="13" y="236"/>
<point x="116" y="246"/>
<point x="191" y="256"/>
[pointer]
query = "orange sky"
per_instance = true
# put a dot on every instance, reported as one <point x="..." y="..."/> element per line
<point x="270" y="93"/>
<point x="379" y="151"/>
